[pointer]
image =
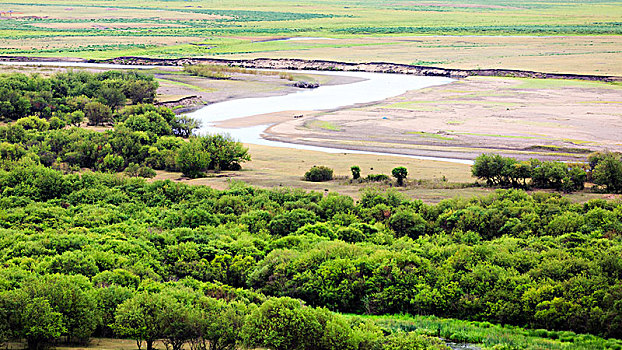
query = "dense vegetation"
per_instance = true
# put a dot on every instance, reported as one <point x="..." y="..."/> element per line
<point x="144" y="136"/>
<point x="603" y="169"/>
<point x="62" y="94"/>
<point x="119" y="244"/>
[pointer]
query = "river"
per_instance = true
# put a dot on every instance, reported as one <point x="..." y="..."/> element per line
<point x="373" y="87"/>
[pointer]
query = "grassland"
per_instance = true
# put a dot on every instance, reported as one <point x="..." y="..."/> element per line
<point x="559" y="36"/>
<point x="491" y="336"/>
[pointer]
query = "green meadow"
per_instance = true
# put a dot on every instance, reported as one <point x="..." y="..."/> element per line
<point x="198" y="28"/>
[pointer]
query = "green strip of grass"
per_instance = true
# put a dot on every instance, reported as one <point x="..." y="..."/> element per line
<point x="492" y="336"/>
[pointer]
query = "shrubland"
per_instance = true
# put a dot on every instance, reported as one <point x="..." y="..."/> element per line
<point x="49" y="110"/>
<point x="535" y="260"/>
<point x="603" y="169"/>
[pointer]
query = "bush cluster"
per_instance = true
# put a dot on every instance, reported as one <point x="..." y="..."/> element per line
<point x="537" y="260"/>
<point x="97" y="95"/>
<point x="604" y="169"/>
<point x="319" y="174"/>
<point x="144" y="138"/>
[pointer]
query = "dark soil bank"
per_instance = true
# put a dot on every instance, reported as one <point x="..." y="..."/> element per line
<point x="298" y="64"/>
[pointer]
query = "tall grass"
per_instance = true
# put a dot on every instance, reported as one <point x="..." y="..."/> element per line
<point x="217" y="71"/>
<point x="493" y="336"/>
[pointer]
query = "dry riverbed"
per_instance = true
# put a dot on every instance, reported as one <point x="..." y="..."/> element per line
<point x="525" y="118"/>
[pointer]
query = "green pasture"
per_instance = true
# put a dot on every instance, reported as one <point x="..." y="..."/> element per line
<point x="230" y="27"/>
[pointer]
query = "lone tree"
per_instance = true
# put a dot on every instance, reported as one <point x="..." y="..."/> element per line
<point x="400" y="174"/>
<point x="319" y="174"/>
<point x="356" y="172"/>
<point x="608" y="173"/>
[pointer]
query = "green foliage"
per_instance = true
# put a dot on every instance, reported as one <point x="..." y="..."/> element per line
<point x="607" y="172"/>
<point x="411" y="340"/>
<point x="192" y="159"/>
<point x="407" y="223"/>
<point x="356" y="172"/>
<point x="377" y="177"/>
<point x="141" y="138"/>
<point x="148" y="317"/>
<point x="282" y="324"/>
<point x="319" y="174"/>
<point x="95" y="94"/>
<point x="219" y="323"/>
<point x="508" y="172"/>
<point x="400" y="174"/>
<point x="41" y="325"/>
<point x="97" y="113"/>
<point x="105" y="249"/>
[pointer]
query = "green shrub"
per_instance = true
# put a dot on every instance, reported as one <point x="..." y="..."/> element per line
<point x="356" y="172"/>
<point x="319" y="174"/>
<point x="377" y="177"/>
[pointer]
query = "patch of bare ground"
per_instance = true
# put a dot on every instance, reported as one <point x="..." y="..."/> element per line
<point x="206" y="91"/>
<point x="275" y="167"/>
<point x="524" y="118"/>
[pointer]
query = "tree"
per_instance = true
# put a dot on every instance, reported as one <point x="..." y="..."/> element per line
<point x="108" y="298"/>
<point x="70" y="296"/>
<point x="41" y="324"/>
<point x="177" y="327"/>
<point x="356" y="172"/>
<point x="224" y="151"/>
<point x="112" y="97"/>
<point x="488" y="167"/>
<point x="112" y="162"/>
<point x="282" y="324"/>
<point x="56" y="123"/>
<point x="218" y="324"/>
<point x="147" y="317"/>
<point x="400" y="174"/>
<point x="192" y="159"/>
<point x="140" y="91"/>
<point x="75" y="118"/>
<point x="97" y="113"/>
<point x="407" y="223"/>
<point x="608" y="173"/>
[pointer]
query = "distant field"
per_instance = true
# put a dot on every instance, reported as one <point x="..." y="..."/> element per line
<point x="398" y="31"/>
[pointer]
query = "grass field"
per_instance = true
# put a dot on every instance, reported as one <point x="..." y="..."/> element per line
<point x="561" y="35"/>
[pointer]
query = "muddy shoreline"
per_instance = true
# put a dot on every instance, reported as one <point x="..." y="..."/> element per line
<point x="325" y="65"/>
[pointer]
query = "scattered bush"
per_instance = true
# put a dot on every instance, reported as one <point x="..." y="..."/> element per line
<point x="356" y="172"/>
<point x="377" y="177"/>
<point x="319" y="174"/>
<point x="400" y="174"/>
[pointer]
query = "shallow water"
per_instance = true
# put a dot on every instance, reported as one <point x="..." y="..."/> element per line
<point x="374" y="87"/>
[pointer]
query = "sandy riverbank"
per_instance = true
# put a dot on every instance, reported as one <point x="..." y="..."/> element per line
<point x="524" y="118"/>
